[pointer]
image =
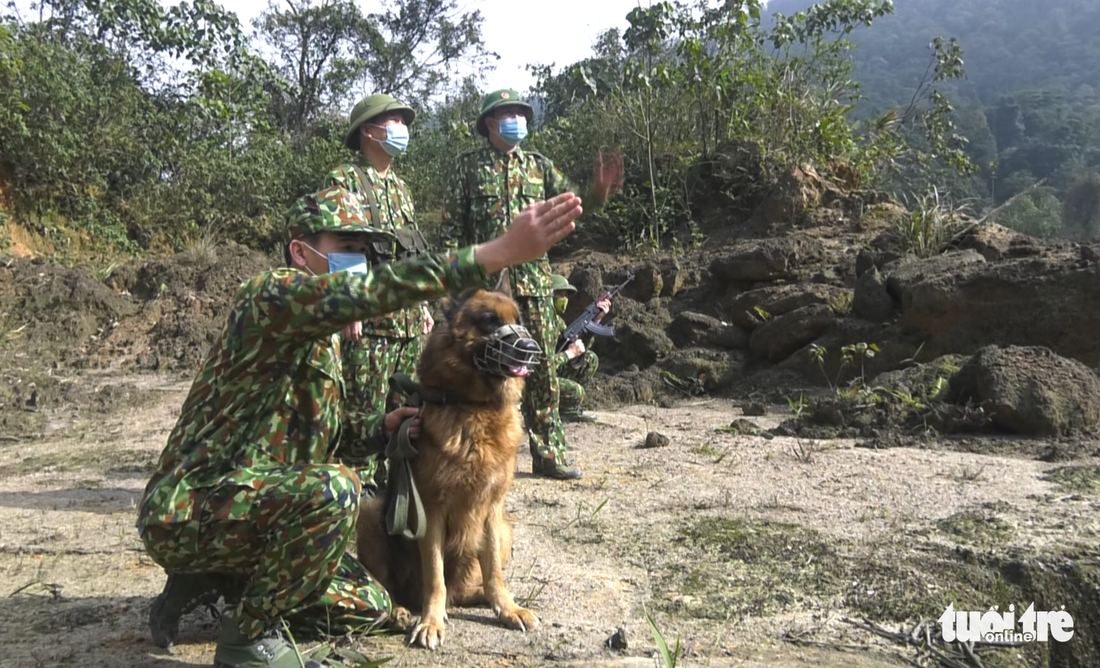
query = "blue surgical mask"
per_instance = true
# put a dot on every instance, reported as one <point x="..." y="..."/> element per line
<point x="397" y="139"/>
<point x="353" y="263"/>
<point x="513" y="130"/>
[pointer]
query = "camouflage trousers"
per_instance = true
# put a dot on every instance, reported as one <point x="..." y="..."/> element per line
<point x="368" y="365"/>
<point x="572" y="377"/>
<point x="540" y="394"/>
<point x="289" y="554"/>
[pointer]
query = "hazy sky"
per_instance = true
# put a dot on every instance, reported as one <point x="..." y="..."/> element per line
<point x="553" y="31"/>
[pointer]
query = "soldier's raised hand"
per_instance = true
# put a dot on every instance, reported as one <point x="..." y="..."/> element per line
<point x="531" y="234"/>
<point x="607" y="176"/>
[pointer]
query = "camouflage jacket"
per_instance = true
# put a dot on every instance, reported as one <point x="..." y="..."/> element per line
<point x="393" y="210"/>
<point x="560" y="359"/>
<point x="270" y="392"/>
<point x="488" y="189"/>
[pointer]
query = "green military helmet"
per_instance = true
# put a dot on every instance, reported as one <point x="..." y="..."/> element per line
<point x="502" y="98"/>
<point x="330" y="210"/>
<point x="558" y="282"/>
<point x="368" y="108"/>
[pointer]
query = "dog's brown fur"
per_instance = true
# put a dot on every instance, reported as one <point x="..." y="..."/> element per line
<point x="463" y="471"/>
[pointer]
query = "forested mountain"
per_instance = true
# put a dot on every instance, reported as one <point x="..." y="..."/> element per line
<point x="1029" y="104"/>
<point x="1008" y="46"/>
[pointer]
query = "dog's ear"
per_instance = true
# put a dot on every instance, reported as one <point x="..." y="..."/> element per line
<point x="504" y="286"/>
<point x="453" y="305"/>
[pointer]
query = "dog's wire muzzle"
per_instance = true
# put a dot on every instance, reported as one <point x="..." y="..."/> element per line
<point x="509" y="348"/>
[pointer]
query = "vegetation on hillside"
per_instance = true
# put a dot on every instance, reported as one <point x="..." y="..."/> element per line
<point x="129" y="126"/>
<point x="1029" y="104"/>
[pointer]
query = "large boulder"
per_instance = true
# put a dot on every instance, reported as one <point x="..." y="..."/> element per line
<point x="763" y="260"/>
<point x="787" y="202"/>
<point x="712" y="369"/>
<point x="647" y="284"/>
<point x="777" y="300"/>
<point x="673" y="277"/>
<point x="690" y="329"/>
<point x="902" y="275"/>
<point x="779" y="337"/>
<point x="637" y="343"/>
<point x="995" y="242"/>
<point x="1030" y="390"/>
<point x="871" y="300"/>
<point x="693" y="329"/>
<point x="960" y="304"/>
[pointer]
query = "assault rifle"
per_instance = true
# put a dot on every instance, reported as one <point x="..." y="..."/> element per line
<point x="586" y="324"/>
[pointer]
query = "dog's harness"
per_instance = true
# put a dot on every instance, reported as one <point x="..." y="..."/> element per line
<point x="400" y="451"/>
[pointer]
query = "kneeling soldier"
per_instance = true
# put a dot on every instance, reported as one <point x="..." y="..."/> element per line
<point x="246" y="489"/>
<point x="575" y="365"/>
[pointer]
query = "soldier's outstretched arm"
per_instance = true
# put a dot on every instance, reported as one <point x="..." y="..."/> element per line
<point x="294" y="305"/>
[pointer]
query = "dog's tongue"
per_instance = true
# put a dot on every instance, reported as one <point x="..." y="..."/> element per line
<point x="520" y="371"/>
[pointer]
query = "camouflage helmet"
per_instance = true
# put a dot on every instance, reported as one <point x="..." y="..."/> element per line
<point x="558" y="282"/>
<point x="330" y="210"/>
<point x="368" y="108"/>
<point x="505" y="97"/>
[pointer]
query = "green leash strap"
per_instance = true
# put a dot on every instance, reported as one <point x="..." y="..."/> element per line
<point x="400" y="450"/>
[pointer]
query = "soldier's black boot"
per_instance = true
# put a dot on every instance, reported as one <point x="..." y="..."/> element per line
<point x="576" y="416"/>
<point x="270" y="650"/>
<point x="183" y="592"/>
<point x="547" y="468"/>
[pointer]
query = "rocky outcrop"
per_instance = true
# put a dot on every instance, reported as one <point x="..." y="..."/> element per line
<point x="712" y="369"/>
<point x="692" y="329"/>
<point x="1030" y="390"/>
<point x="778" y="300"/>
<point x="779" y="337"/>
<point x="764" y="260"/>
<point x="995" y="242"/>
<point x="872" y="300"/>
<point x="960" y="302"/>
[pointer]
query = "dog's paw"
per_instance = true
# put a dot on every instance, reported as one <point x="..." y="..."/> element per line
<point x="429" y="632"/>
<point x="400" y="619"/>
<point x="519" y="619"/>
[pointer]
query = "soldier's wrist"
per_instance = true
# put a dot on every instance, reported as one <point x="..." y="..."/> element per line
<point x="492" y="256"/>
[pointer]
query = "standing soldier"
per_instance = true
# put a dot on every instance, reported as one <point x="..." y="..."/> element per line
<point x="489" y="187"/>
<point x="374" y="350"/>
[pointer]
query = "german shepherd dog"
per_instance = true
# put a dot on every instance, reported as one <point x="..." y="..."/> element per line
<point x="467" y="447"/>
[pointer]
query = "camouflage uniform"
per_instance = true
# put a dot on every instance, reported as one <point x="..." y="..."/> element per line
<point x="573" y="374"/>
<point x="392" y="342"/>
<point x="246" y="485"/>
<point x="488" y="189"/>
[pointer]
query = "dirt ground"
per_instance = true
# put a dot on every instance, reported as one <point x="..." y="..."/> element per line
<point x="751" y="549"/>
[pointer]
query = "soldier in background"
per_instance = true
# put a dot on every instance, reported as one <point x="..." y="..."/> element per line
<point x="375" y="349"/>
<point x="576" y="365"/>
<point x="489" y="186"/>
